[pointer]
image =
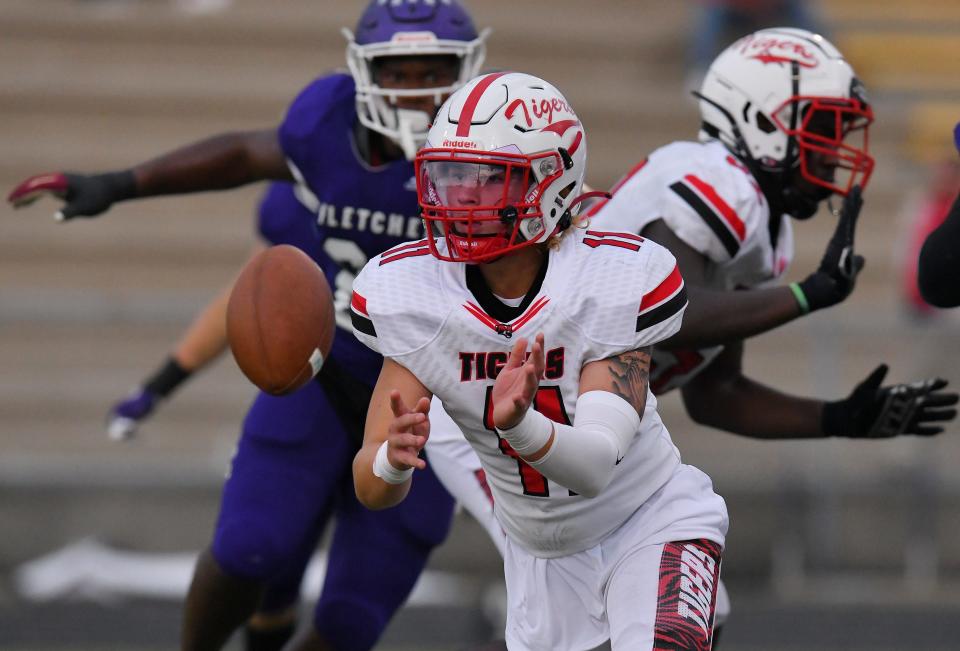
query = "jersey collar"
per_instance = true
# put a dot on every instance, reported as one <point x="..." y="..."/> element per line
<point x="491" y="304"/>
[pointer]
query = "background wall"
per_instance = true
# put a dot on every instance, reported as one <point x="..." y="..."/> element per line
<point x="833" y="544"/>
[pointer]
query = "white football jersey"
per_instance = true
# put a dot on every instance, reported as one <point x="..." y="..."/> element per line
<point x="712" y="202"/>
<point x="602" y="294"/>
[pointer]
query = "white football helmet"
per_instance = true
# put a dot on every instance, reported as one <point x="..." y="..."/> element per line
<point x="786" y="98"/>
<point x="503" y="165"/>
<point x="390" y="28"/>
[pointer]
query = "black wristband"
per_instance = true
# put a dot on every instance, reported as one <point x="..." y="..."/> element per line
<point x="834" y="419"/>
<point x="167" y="378"/>
<point x="123" y="184"/>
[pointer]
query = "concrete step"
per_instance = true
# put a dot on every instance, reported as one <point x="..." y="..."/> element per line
<point x="931" y="125"/>
<point x="898" y="59"/>
<point x="252" y="24"/>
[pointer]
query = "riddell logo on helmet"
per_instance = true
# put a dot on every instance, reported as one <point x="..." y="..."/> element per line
<point x="413" y="37"/>
<point x="776" y="50"/>
<point x="460" y="144"/>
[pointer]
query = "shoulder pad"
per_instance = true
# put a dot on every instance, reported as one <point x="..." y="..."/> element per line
<point x="396" y="306"/>
<point x="702" y="193"/>
<point x="625" y="292"/>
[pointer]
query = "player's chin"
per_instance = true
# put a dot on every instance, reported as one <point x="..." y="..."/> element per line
<point x="489" y="227"/>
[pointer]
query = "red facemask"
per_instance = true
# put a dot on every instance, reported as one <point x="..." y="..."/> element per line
<point x="476" y="201"/>
<point x="832" y="137"/>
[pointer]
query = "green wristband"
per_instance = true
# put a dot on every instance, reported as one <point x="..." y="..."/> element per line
<point x="801" y="298"/>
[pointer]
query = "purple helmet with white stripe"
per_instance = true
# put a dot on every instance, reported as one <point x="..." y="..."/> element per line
<point x="390" y="28"/>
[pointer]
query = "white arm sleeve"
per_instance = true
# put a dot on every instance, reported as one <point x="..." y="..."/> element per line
<point x="583" y="457"/>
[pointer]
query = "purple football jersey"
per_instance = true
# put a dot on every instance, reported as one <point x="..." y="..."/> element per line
<point x="352" y="211"/>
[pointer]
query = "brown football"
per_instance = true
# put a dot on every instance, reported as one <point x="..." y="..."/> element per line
<point x="280" y="319"/>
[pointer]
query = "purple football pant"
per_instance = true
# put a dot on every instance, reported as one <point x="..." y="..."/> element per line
<point x="291" y="475"/>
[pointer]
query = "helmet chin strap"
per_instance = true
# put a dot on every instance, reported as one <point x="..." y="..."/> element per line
<point x="740" y="144"/>
<point x="797" y="204"/>
<point x="508" y="217"/>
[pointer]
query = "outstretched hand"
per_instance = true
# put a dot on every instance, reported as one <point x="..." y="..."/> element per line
<point x="839" y="258"/>
<point x="407" y="433"/>
<point x="874" y="411"/>
<point x="127" y="415"/>
<point x="83" y="196"/>
<point x="516" y="385"/>
<point x="835" y="278"/>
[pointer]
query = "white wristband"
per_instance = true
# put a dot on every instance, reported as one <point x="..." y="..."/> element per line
<point x="530" y="434"/>
<point x="385" y="470"/>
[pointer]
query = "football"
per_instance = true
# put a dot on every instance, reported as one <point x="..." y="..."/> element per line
<point x="280" y="319"/>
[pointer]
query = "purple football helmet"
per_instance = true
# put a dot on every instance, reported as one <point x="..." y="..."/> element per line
<point x="404" y="28"/>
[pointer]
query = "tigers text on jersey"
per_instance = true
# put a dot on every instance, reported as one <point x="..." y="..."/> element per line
<point x="603" y="294"/>
<point x="711" y="201"/>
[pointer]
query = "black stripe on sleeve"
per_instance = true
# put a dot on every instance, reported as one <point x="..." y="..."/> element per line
<point x="362" y="324"/>
<point x="716" y="224"/>
<point x="663" y="311"/>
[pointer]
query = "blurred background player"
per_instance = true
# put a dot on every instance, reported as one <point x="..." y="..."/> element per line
<point x="784" y="129"/>
<point x="346" y="141"/>
<point x="938" y="272"/>
<point x="608" y="534"/>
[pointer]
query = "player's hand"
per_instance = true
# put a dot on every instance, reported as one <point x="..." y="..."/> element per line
<point x="83" y="195"/>
<point x="834" y="279"/>
<point x="873" y="411"/>
<point x="516" y="385"/>
<point x="408" y="433"/>
<point x="125" y="416"/>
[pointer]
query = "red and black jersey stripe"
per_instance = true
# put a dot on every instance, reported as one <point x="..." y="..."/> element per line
<point x="668" y="298"/>
<point x="715" y="212"/>
<point x="360" y="317"/>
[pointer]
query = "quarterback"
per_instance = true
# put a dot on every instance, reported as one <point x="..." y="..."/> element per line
<point x="535" y="335"/>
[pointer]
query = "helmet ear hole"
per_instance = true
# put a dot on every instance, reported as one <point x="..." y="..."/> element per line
<point x="765" y="124"/>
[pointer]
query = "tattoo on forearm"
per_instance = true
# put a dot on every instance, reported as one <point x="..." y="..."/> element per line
<point x="631" y="376"/>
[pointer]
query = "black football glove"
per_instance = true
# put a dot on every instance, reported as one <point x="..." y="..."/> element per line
<point x="836" y="276"/>
<point x="83" y="195"/>
<point x="874" y="412"/>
